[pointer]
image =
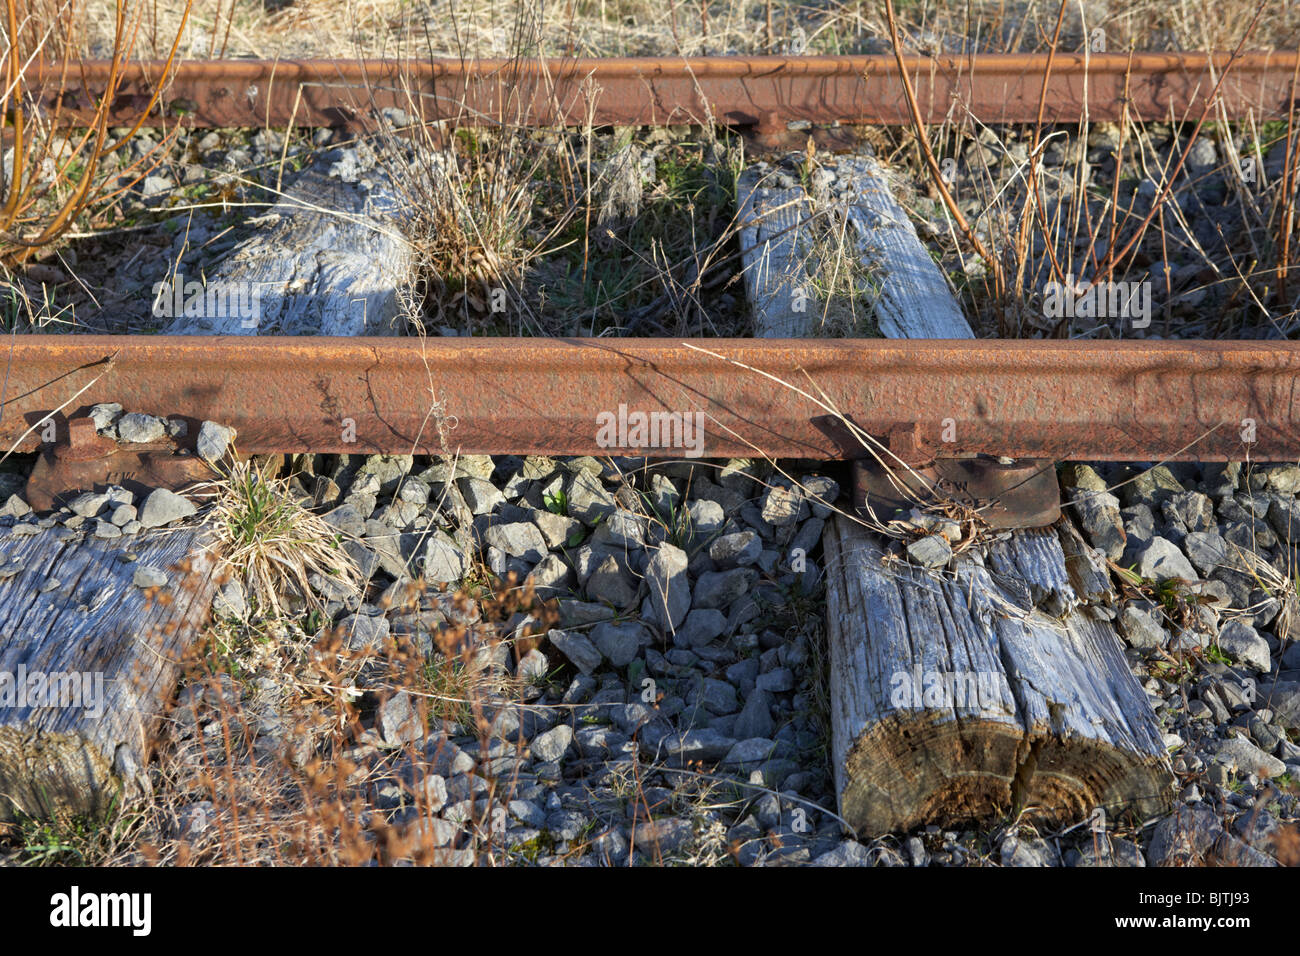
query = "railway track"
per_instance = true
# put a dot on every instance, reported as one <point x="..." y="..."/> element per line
<point x="928" y="403"/>
<point x="767" y="92"/>
<point x="1160" y="400"/>
<point x="1091" y="401"/>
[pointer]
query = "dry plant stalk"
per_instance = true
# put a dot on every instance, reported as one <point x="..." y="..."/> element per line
<point x="53" y="177"/>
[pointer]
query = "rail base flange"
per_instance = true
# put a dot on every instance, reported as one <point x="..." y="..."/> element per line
<point x="86" y="461"/>
<point x="1006" y="493"/>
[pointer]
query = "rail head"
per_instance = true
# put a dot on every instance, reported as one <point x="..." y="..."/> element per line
<point x="1125" y="400"/>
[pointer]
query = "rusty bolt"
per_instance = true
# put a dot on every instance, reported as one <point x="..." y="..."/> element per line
<point x="769" y="121"/>
<point x="84" y="442"/>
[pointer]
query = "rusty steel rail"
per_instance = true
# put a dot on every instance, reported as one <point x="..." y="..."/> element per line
<point x="763" y="91"/>
<point x="1026" y="399"/>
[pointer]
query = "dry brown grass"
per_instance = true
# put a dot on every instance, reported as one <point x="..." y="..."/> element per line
<point x="270" y="540"/>
<point x="483" y="28"/>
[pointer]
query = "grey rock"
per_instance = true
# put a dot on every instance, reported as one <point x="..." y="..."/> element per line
<point x="1243" y="643"/>
<point x="163" y="507"/>
<point x="807" y="537"/>
<point x="1284" y="517"/>
<point x="821" y="493"/>
<point x="706" y="519"/>
<point x="1207" y="549"/>
<point x="741" y="475"/>
<point x="589" y="501"/>
<point x="1266" y="736"/>
<point x="229" y="602"/>
<point x="347" y="519"/>
<point x="464" y="788"/>
<point x="1240" y="755"/>
<point x="1162" y="561"/>
<point x="746" y="839"/>
<point x="666" y="835"/>
<point x="599" y="741"/>
<point x="15" y="507"/>
<point x="1284" y="479"/>
<point x="618" y="643"/>
<point x="1141" y="626"/>
<point x="88" y="505"/>
<point x="1185" y="837"/>
<point x="431" y="796"/>
<point x="146" y="577"/>
<point x="580" y="651"/>
<point x="610" y="582"/>
<point x="776" y="681"/>
<point x="521" y="539"/>
<point x="700" y="627"/>
<point x="636" y="718"/>
<point x="623" y="530"/>
<point x="442" y="757"/>
<point x="1192" y="509"/>
<point x="1151" y="487"/>
<point x="442" y="562"/>
<point x="755" y="718"/>
<point x="399" y="722"/>
<point x="566" y="824"/>
<point x="579" y="613"/>
<point x="482" y="496"/>
<point x="528" y="813"/>
<point x="848" y="853"/>
<point x="533" y="666"/>
<point x="537" y="467"/>
<point x="213" y="440"/>
<point x="916" y="852"/>
<point x="1110" y="852"/>
<point x="557" y="530"/>
<point x="782" y="505"/>
<point x="748" y="754"/>
<point x="718" y="697"/>
<point x="123" y="515"/>
<point x="1139" y="529"/>
<point x="735" y="550"/>
<point x="104" y="414"/>
<point x="553" y="744"/>
<point x="1221" y="478"/>
<point x="731" y="501"/>
<point x="363" y="631"/>
<point x="664" y="496"/>
<point x="138" y="428"/>
<point x="1020" y="851"/>
<point x="551" y="576"/>
<point x="1099" y="515"/>
<point x="932" y="551"/>
<point x="1260" y="829"/>
<point x="1231" y="851"/>
<point x="718" y="589"/>
<point x="700" y="744"/>
<point x="669" y="586"/>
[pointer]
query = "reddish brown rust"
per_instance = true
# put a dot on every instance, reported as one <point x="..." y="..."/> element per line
<point x="1006" y="494"/>
<point x="84" y="460"/>
<point x="735" y="91"/>
<point x="1127" y="400"/>
<point x="84" y="443"/>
